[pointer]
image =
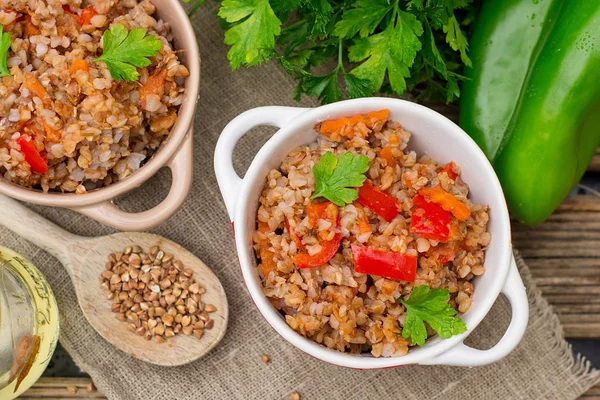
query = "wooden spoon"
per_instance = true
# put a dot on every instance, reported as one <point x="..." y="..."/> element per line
<point x="85" y="259"/>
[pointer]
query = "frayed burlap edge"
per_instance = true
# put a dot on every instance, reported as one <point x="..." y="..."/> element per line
<point x="542" y="312"/>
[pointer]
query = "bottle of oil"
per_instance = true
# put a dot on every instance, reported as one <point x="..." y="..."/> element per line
<point x="28" y="324"/>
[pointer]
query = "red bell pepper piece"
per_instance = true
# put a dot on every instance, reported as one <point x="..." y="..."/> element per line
<point x="328" y="250"/>
<point x="381" y="203"/>
<point x="87" y="14"/>
<point x="32" y="155"/>
<point x="449" y="170"/>
<point x="384" y="263"/>
<point x="317" y="211"/>
<point x="446" y="252"/>
<point x="429" y="220"/>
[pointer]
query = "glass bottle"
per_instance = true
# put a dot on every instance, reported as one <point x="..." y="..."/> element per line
<point x="28" y="324"/>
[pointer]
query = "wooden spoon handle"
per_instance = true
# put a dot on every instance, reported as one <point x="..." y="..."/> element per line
<point x="38" y="230"/>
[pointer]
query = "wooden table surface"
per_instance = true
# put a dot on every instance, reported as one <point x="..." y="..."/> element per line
<point x="563" y="254"/>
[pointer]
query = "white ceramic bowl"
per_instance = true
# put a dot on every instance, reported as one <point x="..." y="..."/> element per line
<point x="432" y="134"/>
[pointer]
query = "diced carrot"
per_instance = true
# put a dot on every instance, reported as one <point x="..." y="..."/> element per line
<point x="51" y="134"/>
<point x="363" y="222"/>
<point x="35" y="87"/>
<point x="155" y="84"/>
<point x="388" y="156"/>
<point x="447" y="201"/>
<point x="267" y="257"/>
<point x="79" y="65"/>
<point x="87" y="14"/>
<point x="345" y="126"/>
<point x="263" y="227"/>
<point x="30" y="28"/>
<point x="394" y="140"/>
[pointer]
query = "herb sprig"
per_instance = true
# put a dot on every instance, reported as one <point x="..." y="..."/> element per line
<point x="336" y="177"/>
<point x="125" y="50"/>
<point x="377" y="46"/>
<point x="430" y="305"/>
<point x="5" y="43"/>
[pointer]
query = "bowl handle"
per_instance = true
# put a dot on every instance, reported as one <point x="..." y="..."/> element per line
<point x="465" y="356"/>
<point x="229" y="181"/>
<point x="181" y="166"/>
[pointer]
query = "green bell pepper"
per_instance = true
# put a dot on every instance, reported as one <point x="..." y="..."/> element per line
<point x="532" y="101"/>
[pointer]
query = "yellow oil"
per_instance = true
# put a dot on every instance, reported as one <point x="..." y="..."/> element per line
<point x="28" y="324"/>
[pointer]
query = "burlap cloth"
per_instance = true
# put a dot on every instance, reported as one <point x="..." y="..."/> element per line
<point x="542" y="366"/>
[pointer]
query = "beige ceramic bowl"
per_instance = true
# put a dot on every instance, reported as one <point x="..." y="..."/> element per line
<point x="175" y="153"/>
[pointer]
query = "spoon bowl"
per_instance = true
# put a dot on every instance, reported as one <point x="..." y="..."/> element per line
<point x="85" y="259"/>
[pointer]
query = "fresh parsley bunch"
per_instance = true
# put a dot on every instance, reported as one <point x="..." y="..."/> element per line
<point x="368" y="46"/>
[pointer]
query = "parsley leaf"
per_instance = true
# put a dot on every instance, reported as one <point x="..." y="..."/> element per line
<point x="430" y="305"/>
<point x="124" y="51"/>
<point x="321" y="11"/>
<point x="392" y="45"/>
<point x="358" y="87"/>
<point x="5" y="44"/>
<point x="335" y="176"/>
<point x="363" y="18"/>
<point x="252" y="35"/>
<point x="284" y="6"/>
<point x="393" y="50"/>
<point x="323" y="87"/>
<point x="457" y="40"/>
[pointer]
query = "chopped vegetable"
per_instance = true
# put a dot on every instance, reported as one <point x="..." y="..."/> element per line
<point x="334" y="177"/>
<point x="388" y="156"/>
<point x="539" y="123"/>
<point x="445" y="252"/>
<point x="51" y="134"/>
<point x="366" y="46"/>
<point x="450" y="170"/>
<point x="429" y="220"/>
<point x="32" y="155"/>
<point x="345" y="126"/>
<point x="124" y="51"/>
<point x="447" y="200"/>
<point x="316" y="211"/>
<point x="155" y="84"/>
<point x="267" y="257"/>
<point x="30" y="28"/>
<point x="328" y="250"/>
<point x="36" y="88"/>
<point x="79" y="65"/>
<point x="381" y="203"/>
<point x="430" y="305"/>
<point x="87" y="14"/>
<point x="5" y="43"/>
<point x="384" y="263"/>
<point x="363" y="222"/>
<point x="325" y="210"/>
